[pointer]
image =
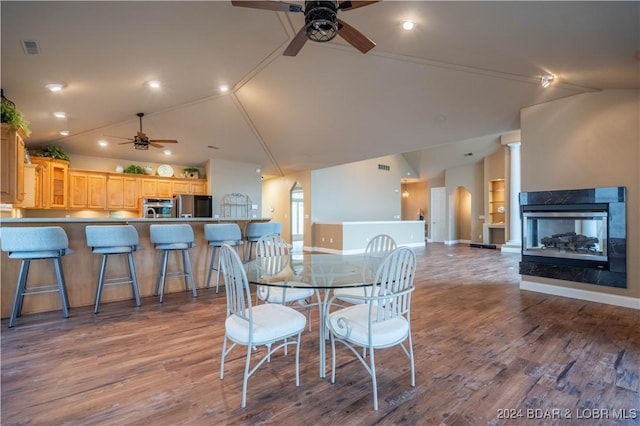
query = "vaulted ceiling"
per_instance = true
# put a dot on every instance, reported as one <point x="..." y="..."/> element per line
<point x="456" y="81"/>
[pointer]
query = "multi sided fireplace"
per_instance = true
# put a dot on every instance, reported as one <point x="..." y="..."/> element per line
<point x="575" y="235"/>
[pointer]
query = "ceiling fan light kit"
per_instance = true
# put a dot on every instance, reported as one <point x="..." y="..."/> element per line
<point x="141" y="140"/>
<point x="321" y="22"/>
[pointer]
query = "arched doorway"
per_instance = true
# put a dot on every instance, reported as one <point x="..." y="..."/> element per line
<point x="297" y="217"/>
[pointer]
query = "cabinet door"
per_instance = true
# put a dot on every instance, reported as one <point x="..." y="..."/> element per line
<point x="165" y="189"/>
<point x="12" y="167"/>
<point x="58" y="184"/>
<point x="181" y="187"/>
<point x="149" y="187"/>
<point x="122" y="193"/>
<point x="199" y="188"/>
<point x="78" y="184"/>
<point x="131" y="197"/>
<point x="97" y="191"/>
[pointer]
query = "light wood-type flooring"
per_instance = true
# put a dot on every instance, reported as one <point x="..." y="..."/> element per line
<point x="486" y="353"/>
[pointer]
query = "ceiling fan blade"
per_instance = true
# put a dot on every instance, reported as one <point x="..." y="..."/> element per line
<point x="163" y="140"/>
<point x="354" y="37"/>
<point x="124" y="143"/>
<point x="350" y="5"/>
<point x="278" y="6"/>
<point x="296" y="44"/>
<point x="155" y="145"/>
<point x="118" y="137"/>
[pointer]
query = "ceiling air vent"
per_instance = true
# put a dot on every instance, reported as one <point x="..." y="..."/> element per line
<point x="30" y="47"/>
<point x="384" y="167"/>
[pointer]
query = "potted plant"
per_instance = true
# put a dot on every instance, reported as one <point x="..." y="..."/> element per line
<point x="51" y="151"/>
<point x="10" y="115"/>
<point x="191" y="172"/>
<point x="133" y="169"/>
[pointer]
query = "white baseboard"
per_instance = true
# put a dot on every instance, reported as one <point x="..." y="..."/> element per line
<point x="511" y="249"/>
<point x="453" y="242"/>
<point x="359" y="251"/>
<point x="575" y="293"/>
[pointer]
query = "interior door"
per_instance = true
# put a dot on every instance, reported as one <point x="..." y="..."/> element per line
<point x="297" y="216"/>
<point x="438" y="214"/>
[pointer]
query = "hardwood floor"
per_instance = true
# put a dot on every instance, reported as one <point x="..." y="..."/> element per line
<point x="486" y="353"/>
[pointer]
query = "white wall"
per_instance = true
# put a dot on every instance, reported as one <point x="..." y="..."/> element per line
<point x="228" y="177"/>
<point x="359" y="191"/>
<point x="587" y="141"/>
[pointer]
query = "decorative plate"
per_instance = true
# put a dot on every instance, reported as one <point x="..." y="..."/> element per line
<point x="165" y="170"/>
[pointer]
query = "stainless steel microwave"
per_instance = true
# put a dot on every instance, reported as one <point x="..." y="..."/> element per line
<point x="188" y="205"/>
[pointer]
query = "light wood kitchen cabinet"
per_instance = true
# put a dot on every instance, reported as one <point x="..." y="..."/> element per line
<point x="160" y="188"/>
<point x="55" y="194"/>
<point x="190" y="186"/>
<point x="87" y="190"/>
<point x="12" y="165"/>
<point x="122" y="193"/>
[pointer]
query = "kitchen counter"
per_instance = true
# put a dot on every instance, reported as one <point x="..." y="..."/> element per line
<point x="82" y="266"/>
<point x="119" y="220"/>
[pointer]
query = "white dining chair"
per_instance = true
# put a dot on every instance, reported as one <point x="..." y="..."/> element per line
<point x="273" y="325"/>
<point x="382" y="319"/>
<point x="377" y="249"/>
<point x="272" y="251"/>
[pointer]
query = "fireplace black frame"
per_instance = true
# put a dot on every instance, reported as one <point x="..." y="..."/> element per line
<point x="613" y="272"/>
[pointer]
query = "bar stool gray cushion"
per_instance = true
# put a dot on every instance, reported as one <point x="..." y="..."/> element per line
<point x="112" y="239"/>
<point x="218" y="234"/>
<point x="42" y="242"/>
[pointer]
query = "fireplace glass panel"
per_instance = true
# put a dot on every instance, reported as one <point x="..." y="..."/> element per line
<point x="570" y="235"/>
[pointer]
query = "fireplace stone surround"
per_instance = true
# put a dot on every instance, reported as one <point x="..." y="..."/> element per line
<point x="604" y="265"/>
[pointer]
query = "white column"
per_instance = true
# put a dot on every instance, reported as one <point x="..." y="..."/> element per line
<point x="515" y="228"/>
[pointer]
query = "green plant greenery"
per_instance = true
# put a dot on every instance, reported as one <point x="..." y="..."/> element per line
<point x="133" y="169"/>
<point x="51" y="151"/>
<point x="13" y="117"/>
<point x="191" y="170"/>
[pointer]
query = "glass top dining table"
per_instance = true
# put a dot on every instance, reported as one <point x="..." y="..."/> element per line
<point x="321" y="272"/>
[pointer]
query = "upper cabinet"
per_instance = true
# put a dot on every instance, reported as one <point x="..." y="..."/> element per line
<point x="122" y="192"/>
<point x="87" y="190"/>
<point x="55" y="193"/>
<point x="12" y="165"/>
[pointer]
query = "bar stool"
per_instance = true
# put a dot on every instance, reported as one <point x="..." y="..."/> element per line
<point x="170" y="238"/>
<point x="36" y="243"/>
<point x="218" y="234"/>
<point x="253" y="232"/>
<point x="111" y="240"/>
<point x="277" y="228"/>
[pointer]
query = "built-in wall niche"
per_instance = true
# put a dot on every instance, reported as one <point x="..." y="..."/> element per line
<point x="496" y="201"/>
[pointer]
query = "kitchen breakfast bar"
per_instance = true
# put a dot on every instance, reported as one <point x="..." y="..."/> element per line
<point x="81" y="267"/>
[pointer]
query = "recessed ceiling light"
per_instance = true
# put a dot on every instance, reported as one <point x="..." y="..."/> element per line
<point x="167" y="152"/>
<point x="154" y="84"/>
<point x="60" y="114"/>
<point x="54" y="87"/>
<point x="224" y="88"/>
<point x="103" y="143"/>
<point x="64" y="132"/>
<point x="408" y="25"/>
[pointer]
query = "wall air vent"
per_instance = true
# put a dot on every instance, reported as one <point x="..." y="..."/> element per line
<point x="30" y="47"/>
<point x="384" y="167"/>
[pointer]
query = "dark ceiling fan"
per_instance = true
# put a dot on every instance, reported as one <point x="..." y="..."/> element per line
<point x="321" y="22"/>
<point x="142" y="141"/>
